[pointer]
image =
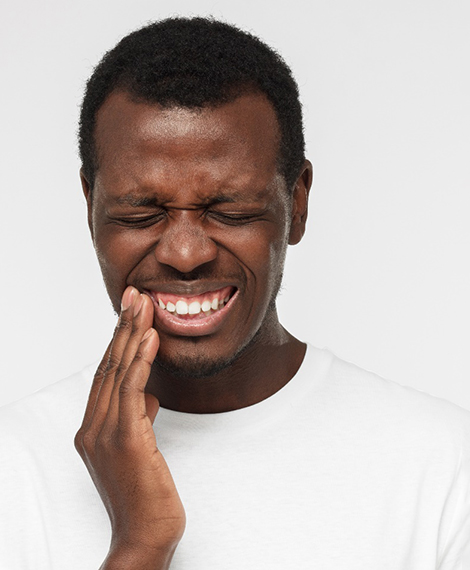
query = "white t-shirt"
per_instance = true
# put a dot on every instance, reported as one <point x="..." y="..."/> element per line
<point x="339" y="470"/>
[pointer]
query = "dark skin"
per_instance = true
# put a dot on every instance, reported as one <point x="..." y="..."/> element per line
<point x="184" y="202"/>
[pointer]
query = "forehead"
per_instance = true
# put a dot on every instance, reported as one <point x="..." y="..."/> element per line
<point x="140" y="144"/>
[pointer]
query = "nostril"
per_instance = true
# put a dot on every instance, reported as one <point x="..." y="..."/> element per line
<point x="185" y="251"/>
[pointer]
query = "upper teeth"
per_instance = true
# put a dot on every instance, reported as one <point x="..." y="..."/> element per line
<point x="182" y="308"/>
<point x="194" y="308"/>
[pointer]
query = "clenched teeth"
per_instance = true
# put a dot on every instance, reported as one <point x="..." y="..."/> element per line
<point x="181" y="307"/>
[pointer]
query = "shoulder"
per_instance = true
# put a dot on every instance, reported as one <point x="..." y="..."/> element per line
<point x="406" y="413"/>
<point x="56" y="408"/>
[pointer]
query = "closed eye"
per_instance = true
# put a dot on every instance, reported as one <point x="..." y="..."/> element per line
<point x="139" y="222"/>
<point x="234" y="219"/>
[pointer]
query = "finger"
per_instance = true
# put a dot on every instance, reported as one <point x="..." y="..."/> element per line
<point x="121" y="335"/>
<point x="95" y="387"/>
<point x="142" y="322"/>
<point x="132" y="403"/>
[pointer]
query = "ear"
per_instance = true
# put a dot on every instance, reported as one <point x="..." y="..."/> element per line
<point x="300" y="203"/>
<point x="86" y="187"/>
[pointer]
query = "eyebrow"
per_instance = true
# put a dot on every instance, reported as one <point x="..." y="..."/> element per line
<point x="138" y="201"/>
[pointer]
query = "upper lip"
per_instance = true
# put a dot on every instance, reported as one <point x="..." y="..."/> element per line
<point x="189" y="289"/>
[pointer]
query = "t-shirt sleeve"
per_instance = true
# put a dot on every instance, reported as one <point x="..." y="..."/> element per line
<point x="456" y="550"/>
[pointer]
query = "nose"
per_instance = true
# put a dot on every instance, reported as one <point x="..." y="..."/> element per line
<point x="184" y="243"/>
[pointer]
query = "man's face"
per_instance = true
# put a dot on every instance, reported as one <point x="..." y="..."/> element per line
<point x="188" y="206"/>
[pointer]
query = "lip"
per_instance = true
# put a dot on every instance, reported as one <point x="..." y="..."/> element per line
<point x="188" y="289"/>
<point x="169" y="323"/>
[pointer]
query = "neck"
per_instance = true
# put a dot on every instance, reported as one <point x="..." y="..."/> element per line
<point x="263" y="368"/>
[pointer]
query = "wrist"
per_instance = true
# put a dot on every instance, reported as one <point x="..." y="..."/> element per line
<point x="132" y="557"/>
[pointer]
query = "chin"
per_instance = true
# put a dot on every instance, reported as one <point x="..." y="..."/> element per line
<point x="198" y="366"/>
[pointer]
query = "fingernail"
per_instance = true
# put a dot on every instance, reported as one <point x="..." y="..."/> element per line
<point x="138" y="305"/>
<point x="146" y="335"/>
<point x="127" y="298"/>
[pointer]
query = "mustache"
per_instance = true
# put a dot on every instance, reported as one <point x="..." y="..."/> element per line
<point x="170" y="275"/>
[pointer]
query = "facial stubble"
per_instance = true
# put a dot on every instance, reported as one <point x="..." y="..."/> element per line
<point x="200" y="367"/>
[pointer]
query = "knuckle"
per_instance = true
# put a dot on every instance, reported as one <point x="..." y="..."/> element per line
<point x="113" y="365"/>
<point x="142" y="358"/>
<point x="125" y="324"/>
<point x="125" y="389"/>
<point x="121" y="369"/>
<point x="101" y="370"/>
<point x="138" y="356"/>
<point x="78" y="441"/>
<point x="88" y="441"/>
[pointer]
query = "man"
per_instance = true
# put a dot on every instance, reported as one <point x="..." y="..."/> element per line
<point x="265" y="453"/>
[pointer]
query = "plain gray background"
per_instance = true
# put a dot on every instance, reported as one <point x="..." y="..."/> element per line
<point x="382" y="277"/>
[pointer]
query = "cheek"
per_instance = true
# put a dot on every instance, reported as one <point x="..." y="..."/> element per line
<point x="274" y="255"/>
<point x="117" y="254"/>
<point x="262" y="252"/>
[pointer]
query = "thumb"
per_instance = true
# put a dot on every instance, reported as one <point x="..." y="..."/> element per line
<point x="152" y="406"/>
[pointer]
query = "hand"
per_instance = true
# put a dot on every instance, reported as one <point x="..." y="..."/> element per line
<point x="117" y="443"/>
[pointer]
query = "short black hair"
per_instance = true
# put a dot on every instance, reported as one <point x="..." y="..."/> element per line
<point x="195" y="63"/>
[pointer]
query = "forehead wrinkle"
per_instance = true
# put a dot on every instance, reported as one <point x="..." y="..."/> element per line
<point x="137" y="200"/>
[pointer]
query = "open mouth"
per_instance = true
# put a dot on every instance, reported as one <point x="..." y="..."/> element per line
<point x="193" y="309"/>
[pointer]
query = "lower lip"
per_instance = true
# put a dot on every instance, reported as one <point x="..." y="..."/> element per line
<point x="202" y="326"/>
